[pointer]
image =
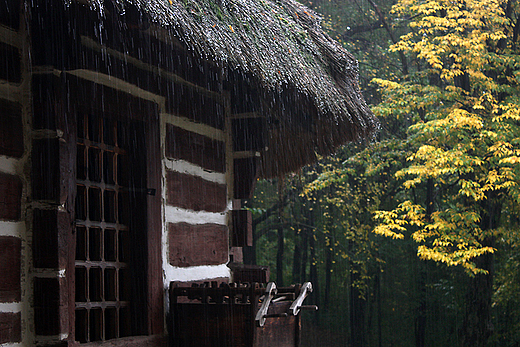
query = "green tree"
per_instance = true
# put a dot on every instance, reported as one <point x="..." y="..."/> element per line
<point x="442" y="181"/>
<point x="463" y="98"/>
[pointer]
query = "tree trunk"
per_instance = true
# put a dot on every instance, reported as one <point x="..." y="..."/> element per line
<point x="297" y="258"/>
<point x="420" y="318"/>
<point x="250" y="252"/>
<point x="279" y="257"/>
<point x="357" y="315"/>
<point x="314" y="271"/>
<point x="477" y="326"/>
<point x="389" y="30"/>
<point x="358" y="306"/>
<point x="281" y="246"/>
<point x="328" y="275"/>
<point x="304" y="260"/>
<point x="379" y="310"/>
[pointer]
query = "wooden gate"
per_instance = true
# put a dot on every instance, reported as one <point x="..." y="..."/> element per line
<point x="238" y="315"/>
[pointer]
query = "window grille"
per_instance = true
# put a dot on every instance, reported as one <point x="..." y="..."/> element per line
<point x="102" y="270"/>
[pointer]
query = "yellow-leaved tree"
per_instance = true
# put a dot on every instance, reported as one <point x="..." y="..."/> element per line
<point x="463" y="174"/>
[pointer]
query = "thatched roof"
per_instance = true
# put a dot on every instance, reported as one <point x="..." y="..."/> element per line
<point x="309" y="81"/>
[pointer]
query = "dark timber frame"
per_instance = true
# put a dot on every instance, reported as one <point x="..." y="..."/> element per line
<point x="54" y="156"/>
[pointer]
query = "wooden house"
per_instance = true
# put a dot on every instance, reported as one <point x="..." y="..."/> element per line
<point x="129" y="132"/>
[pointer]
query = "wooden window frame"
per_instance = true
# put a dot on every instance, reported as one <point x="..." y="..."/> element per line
<point x="108" y="232"/>
<point x="74" y="94"/>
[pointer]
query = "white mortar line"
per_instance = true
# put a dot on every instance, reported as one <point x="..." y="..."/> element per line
<point x="178" y="215"/>
<point x="116" y="83"/>
<point x="195" y="273"/>
<point x="11" y="37"/>
<point x="50" y="339"/>
<point x="11" y="307"/>
<point x="48" y="273"/>
<point x="198" y="128"/>
<point x="183" y="166"/>
<point x="12" y="344"/>
<point x="164" y="224"/>
<point x="10" y="91"/>
<point x="8" y="165"/>
<point x="15" y="229"/>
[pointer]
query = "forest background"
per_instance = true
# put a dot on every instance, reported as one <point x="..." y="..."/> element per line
<point x="411" y="238"/>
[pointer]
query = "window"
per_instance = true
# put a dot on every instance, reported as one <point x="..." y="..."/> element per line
<point x="111" y="213"/>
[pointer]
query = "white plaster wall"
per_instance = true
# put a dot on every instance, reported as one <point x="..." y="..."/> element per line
<point x="9" y="165"/>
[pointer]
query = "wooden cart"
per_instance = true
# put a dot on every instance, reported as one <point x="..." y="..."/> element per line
<point x="238" y="315"/>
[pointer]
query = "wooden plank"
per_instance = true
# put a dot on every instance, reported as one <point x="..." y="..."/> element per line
<point x="45" y="175"/>
<point x="10" y="269"/>
<point x="245" y="174"/>
<point x="10" y="63"/>
<point x="242" y="228"/>
<point x="195" y="193"/>
<point x="195" y="148"/>
<point x="10" y="327"/>
<point x="278" y="331"/>
<point x="11" y="129"/>
<point x="201" y="319"/>
<point x="194" y="245"/>
<point x="11" y="195"/>
<point x="45" y="239"/>
<point x="154" y="229"/>
<point x="46" y="306"/>
<point x="216" y="325"/>
<point x="250" y="273"/>
<point x="135" y="341"/>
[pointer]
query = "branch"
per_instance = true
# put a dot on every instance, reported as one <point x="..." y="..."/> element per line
<point x="351" y="31"/>
<point x="391" y="34"/>
<point x="269" y="212"/>
<point x="516" y="31"/>
<point x="272" y="227"/>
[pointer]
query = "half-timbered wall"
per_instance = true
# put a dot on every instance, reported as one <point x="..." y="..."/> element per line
<point x="196" y="200"/>
<point x="187" y="192"/>
<point x="14" y="184"/>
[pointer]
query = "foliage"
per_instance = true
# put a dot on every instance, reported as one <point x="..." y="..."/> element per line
<point x="465" y="101"/>
<point x="440" y="182"/>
